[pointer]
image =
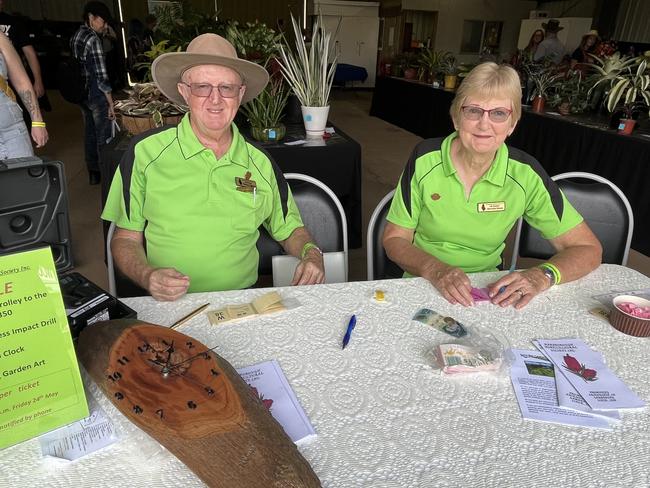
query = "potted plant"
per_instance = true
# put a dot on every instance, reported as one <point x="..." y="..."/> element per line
<point x="410" y="64"/>
<point x="146" y="108"/>
<point x="630" y="90"/>
<point x="310" y="74"/>
<point x="570" y="94"/>
<point x="449" y="67"/>
<point x="254" y="41"/>
<point x="543" y="79"/>
<point x="430" y="61"/>
<point x="265" y="112"/>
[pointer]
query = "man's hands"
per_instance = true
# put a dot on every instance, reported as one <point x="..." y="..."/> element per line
<point x="167" y="284"/>
<point x="310" y="270"/>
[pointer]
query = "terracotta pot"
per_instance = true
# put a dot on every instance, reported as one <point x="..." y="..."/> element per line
<point x="626" y="126"/>
<point x="450" y="81"/>
<point x="410" y="73"/>
<point x="564" y="108"/>
<point x="138" y="124"/>
<point x="538" y="104"/>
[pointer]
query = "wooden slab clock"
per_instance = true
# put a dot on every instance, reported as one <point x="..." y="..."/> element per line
<point x="194" y="403"/>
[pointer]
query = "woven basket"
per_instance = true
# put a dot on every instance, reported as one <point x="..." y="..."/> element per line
<point x="138" y="124"/>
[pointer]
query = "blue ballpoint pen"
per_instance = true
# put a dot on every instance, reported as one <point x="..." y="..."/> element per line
<point x="348" y="332"/>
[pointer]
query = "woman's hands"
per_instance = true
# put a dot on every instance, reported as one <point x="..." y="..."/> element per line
<point x="518" y="288"/>
<point x="451" y="282"/>
<point x="40" y="136"/>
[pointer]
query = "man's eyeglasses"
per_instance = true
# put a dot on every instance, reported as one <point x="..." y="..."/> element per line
<point x="204" y="90"/>
<point x="499" y="114"/>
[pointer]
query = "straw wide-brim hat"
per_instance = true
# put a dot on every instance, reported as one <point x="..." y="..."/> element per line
<point x="168" y="68"/>
<point x="552" y="25"/>
<point x="592" y="32"/>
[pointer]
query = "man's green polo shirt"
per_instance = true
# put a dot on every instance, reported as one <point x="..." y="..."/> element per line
<point x="193" y="216"/>
<point x="469" y="233"/>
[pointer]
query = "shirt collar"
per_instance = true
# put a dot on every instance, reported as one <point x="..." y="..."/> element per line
<point x="191" y="146"/>
<point x="495" y="175"/>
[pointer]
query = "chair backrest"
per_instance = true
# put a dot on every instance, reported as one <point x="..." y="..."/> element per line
<point x="323" y="216"/>
<point x="379" y="266"/>
<point x="284" y="268"/>
<point x="605" y="209"/>
<point x="112" y="288"/>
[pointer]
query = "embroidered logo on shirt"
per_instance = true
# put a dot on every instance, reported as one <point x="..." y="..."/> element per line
<point x="435" y="196"/>
<point x="491" y="207"/>
<point x="245" y="183"/>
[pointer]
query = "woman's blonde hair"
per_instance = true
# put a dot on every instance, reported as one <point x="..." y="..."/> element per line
<point x="489" y="80"/>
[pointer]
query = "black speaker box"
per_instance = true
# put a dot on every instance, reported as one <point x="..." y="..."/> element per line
<point x="34" y="208"/>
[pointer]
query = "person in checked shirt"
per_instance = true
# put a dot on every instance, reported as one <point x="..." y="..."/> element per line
<point x="97" y="109"/>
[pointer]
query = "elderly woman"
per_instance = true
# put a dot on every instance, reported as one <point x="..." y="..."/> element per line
<point x="14" y="137"/>
<point x="459" y="197"/>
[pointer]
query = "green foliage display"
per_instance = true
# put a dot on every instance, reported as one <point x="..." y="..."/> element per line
<point x="307" y="69"/>
<point x="265" y="111"/>
<point x="254" y="41"/>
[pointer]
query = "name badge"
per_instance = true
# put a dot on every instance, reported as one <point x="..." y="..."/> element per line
<point x="491" y="207"/>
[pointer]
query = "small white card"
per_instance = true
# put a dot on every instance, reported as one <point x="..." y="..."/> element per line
<point x="588" y="374"/>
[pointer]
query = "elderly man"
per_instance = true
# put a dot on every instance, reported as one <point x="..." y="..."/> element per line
<point x="197" y="193"/>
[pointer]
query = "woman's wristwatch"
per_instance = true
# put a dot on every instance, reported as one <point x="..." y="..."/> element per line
<point x="551" y="272"/>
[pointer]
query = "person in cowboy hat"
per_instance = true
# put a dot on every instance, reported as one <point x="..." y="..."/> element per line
<point x="587" y="46"/>
<point x="551" y="47"/>
<point x="197" y="193"/>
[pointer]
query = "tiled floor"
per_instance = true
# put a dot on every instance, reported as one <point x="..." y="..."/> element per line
<point x="385" y="149"/>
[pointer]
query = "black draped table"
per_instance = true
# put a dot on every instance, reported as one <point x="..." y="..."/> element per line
<point x="560" y="144"/>
<point x="335" y="161"/>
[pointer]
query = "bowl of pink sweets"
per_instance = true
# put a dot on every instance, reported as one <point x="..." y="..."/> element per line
<point x="631" y="315"/>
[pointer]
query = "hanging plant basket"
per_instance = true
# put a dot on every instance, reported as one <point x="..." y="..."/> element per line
<point x="136" y="124"/>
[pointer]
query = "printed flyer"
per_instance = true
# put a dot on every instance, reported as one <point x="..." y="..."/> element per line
<point x="40" y="385"/>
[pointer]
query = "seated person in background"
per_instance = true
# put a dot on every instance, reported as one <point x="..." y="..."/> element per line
<point x="459" y="197"/>
<point x="197" y="193"/>
<point x="587" y="46"/>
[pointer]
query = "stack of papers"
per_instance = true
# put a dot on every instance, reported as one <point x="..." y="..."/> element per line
<point x="568" y="383"/>
<point x="269" y="303"/>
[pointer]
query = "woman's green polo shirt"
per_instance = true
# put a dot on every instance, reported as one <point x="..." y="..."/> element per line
<point x="469" y="233"/>
<point x="194" y="217"/>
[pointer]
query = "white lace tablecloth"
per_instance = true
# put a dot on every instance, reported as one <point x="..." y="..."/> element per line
<point x="383" y="416"/>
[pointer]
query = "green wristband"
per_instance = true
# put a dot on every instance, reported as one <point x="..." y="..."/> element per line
<point x="307" y="247"/>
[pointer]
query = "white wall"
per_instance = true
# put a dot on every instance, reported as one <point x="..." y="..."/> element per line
<point x="570" y="8"/>
<point x="452" y="13"/>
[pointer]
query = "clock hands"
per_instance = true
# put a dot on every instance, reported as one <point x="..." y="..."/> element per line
<point x="167" y="372"/>
<point x="203" y="354"/>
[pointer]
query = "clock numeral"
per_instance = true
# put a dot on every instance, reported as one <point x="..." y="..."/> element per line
<point x="137" y="409"/>
<point x="214" y="372"/>
<point x="206" y="355"/>
<point x="191" y="405"/>
<point x="159" y="412"/>
<point x="119" y="396"/>
<point x="189" y="344"/>
<point x="115" y="376"/>
<point x="209" y="390"/>
<point x="147" y="346"/>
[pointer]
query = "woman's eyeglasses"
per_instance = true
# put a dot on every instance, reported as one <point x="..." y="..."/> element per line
<point x="204" y="90"/>
<point x="499" y="114"/>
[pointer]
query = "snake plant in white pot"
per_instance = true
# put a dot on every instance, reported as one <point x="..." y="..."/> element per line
<point x="310" y="75"/>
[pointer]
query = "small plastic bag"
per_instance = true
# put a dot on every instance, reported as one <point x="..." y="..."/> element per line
<point x="461" y="348"/>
